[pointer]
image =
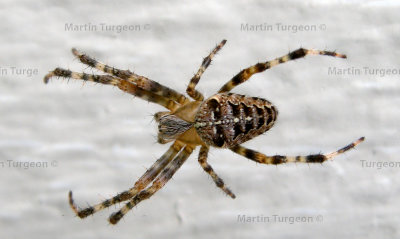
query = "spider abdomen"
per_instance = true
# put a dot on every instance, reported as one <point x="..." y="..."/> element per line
<point x="227" y="119"/>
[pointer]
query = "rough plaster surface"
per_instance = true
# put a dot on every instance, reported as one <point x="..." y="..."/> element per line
<point x="97" y="140"/>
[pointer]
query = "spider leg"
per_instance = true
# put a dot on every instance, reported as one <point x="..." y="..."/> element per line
<point x="112" y="80"/>
<point x="245" y="74"/>
<point x="279" y="159"/>
<point x="140" y="81"/>
<point x="140" y="184"/>
<point x="158" y="183"/>
<point x="207" y="167"/>
<point x="191" y="91"/>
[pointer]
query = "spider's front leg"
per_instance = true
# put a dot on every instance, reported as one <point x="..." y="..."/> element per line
<point x="191" y="91"/>
<point x="141" y="81"/>
<point x="245" y="74"/>
<point x="279" y="159"/>
<point x="122" y="84"/>
<point x="207" y="167"/>
<point x="140" y="184"/>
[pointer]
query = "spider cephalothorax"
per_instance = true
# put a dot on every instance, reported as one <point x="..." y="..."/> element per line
<point x="223" y="120"/>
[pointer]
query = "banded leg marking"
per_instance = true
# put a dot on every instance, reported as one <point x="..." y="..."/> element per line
<point x="208" y="169"/>
<point x="158" y="183"/>
<point x="148" y="95"/>
<point x="245" y="74"/>
<point x="279" y="159"/>
<point x="103" y="79"/>
<point x="124" y="85"/>
<point x="140" y="81"/>
<point x="191" y="91"/>
<point x="140" y="184"/>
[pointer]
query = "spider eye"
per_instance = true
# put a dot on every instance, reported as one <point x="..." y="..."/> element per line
<point x="158" y="115"/>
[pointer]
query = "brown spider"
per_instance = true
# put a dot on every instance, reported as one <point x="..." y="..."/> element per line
<point x="225" y="120"/>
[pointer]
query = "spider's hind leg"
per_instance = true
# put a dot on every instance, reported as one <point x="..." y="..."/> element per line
<point x="245" y="74"/>
<point x="279" y="159"/>
<point x="191" y="91"/>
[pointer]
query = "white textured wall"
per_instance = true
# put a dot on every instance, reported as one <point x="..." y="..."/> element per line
<point x="97" y="140"/>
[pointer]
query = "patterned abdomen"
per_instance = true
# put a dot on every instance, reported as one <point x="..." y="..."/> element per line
<point x="227" y="119"/>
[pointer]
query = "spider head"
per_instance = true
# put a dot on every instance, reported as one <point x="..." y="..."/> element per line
<point x="170" y="127"/>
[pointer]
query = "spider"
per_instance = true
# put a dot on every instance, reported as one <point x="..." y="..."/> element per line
<point x="225" y="120"/>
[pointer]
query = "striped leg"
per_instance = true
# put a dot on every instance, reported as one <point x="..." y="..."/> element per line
<point x="191" y="91"/>
<point x="140" y="81"/>
<point x="158" y="183"/>
<point x="278" y="159"/>
<point x="103" y="79"/>
<point x="245" y="74"/>
<point x="207" y="167"/>
<point x="143" y="181"/>
<point x="111" y="80"/>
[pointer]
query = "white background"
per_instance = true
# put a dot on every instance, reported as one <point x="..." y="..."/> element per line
<point x="97" y="140"/>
